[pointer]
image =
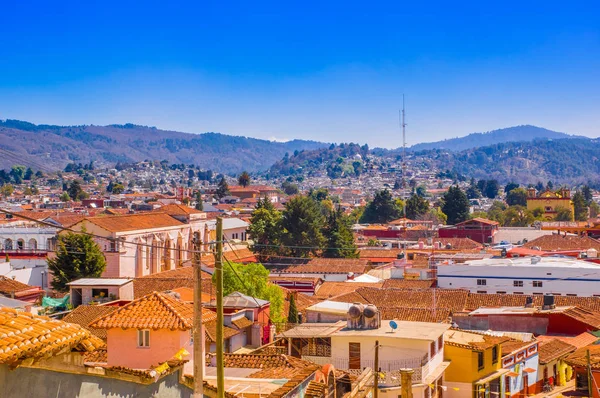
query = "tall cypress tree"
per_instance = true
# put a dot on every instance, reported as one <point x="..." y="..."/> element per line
<point x="340" y="241"/>
<point x="293" y="312"/>
<point x="456" y="205"/>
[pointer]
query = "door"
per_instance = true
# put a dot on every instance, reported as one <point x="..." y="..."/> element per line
<point x="354" y="356"/>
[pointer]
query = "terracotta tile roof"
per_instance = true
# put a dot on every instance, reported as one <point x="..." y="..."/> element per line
<point x="392" y="254"/>
<point x="85" y="314"/>
<point x="9" y="285"/>
<point x="211" y="330"/>
<point x="303" y="301"/>
<point x="408" y="283"/>
<point x="480" y="220"/>
<point x="154" y="311"/>
<point x="459" y="243"/>
<point x="512" y="345"/>
<point x="586" y="316"/>
<point x="170" y="280"/>
<point x="319" y="266"/>
<point x="242" y="323"/>
<point x="272" y="366"/>
<point x="331" y="289"/>
<point x="292" y="383"/>
<point x="98" y="356"/>
<point x="581" y="340"/>
<point x="315" y="280"/>
<point x="352" y="297"/>
<point x="315" y="390"/>
<point x="472" y="340"/>
<point x="561" y="242"/>
<point x="416" y="314"/>
<point x="133" y="222"/>
<point x="178" y="210"/>
<point x="476" y="300"/>
<point x="412" y="298"/>
<point x="23" y="335"/>
<point x="579" y="357"/>
<point x="554" y="349"/>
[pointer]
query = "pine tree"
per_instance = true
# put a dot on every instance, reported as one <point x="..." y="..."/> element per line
<point x="416" y="206"/>
<point x="244" y="179"/>
<point x="580" y="207"/>
<point x="265" y="230"/>
<point x="78" y="256"/>
<point x="293" y="311"/>
<point x="456" y="205"/>
<point x="381" y="210"/>
<point x="222" y="189"/>
<point x="340" y="240"/>
<point x="302" y="223"/>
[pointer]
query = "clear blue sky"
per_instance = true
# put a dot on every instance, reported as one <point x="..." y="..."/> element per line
<point x="326" y="70"/>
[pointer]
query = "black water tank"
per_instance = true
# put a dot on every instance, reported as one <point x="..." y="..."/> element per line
<point x="548" y="300"/>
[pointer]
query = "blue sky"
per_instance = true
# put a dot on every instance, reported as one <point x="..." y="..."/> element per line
<point x="329" y="71"/>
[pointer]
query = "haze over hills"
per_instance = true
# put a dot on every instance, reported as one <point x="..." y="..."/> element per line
<point x="52" y="147"/>
<point x="524" y="133"/>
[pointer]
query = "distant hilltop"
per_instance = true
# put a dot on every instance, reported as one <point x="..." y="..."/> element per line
<point x="55" y="146"/>
<point x="524" y="133"/>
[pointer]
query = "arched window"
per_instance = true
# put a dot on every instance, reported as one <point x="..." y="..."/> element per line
<point x="20" y="244"/>
<point x="32" y="244"/>
<point x="8" y="244"/>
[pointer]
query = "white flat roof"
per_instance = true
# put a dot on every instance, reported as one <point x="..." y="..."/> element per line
<point x="563" y="262"/>
<point x="100" y="282"/>
<point x="330" y="307"/>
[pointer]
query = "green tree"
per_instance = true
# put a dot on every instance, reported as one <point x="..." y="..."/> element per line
<point x="491" y="189"/>
<point x="17" y="173"/>
<point x="28" y="174"/>
<point x="518" y="216"/>
<point x="416" y="206"/>
<point x="594" y="209"/>
<point x="74" y="189"/>
<point x="340" y="240"/>
<point x="64" y="197"/>
<point x="293" y="311"/>
<point x="496" y="212"/>
<point x="517" y="197"/>
<point x="6" y="190"/>
<point x="253" y="280"/>
<point x="77" y="256"/>
<point x="118" y="188"/>
<point x="244" y="179"/>
<point x="580" y="207"/>
<point x="421" y="190"/>
<point x="199" y="204"/>
<point x="381" y="210"/>
<point x="265" y="230"/>
<point x="563" y="214"/>
<point x="456" y="205"/>
<point x="222" y="189"/>
<point x="510" y="186"/>
<point x="587" y="194"/>
<point x="289" y="188"/>
<point x="302" y="223"/>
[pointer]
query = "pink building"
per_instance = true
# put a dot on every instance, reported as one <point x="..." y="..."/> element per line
<point x="142" y="244"/>
<point x="149" y="331"/>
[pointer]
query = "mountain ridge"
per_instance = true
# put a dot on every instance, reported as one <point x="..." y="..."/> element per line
<point x="55" y="146"/>
<point x="522" y="133"/>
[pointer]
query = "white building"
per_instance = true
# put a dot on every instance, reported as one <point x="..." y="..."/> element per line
<point x="526" y="275"/>
<point x="27" y="238"/>
<point x="235" y="229"/>
<point x="350" y="345"/>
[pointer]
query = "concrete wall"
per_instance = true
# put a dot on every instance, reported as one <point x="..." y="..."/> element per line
<point x="30" y="382"/>
<point x="26" y="271"/>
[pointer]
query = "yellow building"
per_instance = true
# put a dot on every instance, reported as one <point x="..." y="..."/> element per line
<point x="475" y="365"/>
<point x="549" y="201"/>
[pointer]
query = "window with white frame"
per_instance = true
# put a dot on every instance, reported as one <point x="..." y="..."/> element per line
<point x="481" y="282"/>
<point x="538" y="284"/>
<point x="143" y="338"/>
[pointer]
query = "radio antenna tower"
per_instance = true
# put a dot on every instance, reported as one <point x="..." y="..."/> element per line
<point x="403" y="124"/>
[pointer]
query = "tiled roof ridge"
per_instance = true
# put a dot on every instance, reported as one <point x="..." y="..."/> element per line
<point x="163" y="299"/>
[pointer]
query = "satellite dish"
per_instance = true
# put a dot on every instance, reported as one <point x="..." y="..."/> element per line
<point x="393" y="325"/>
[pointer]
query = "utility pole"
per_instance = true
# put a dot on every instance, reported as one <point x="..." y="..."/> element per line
<point x="590" y="378"/>
<point x="403" y="157"/>
<point x="376" y="383"/>
<point x="219" y="274"/>
<point x="197" y="336"/>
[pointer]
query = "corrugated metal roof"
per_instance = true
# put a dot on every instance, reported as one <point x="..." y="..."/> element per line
<point x="100" y="282"/>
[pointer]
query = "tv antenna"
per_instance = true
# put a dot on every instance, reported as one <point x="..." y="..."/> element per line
<point x="403" y="125"/>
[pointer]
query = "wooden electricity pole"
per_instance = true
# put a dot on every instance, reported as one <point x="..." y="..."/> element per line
<point x="376" y="383"/>
<point x="219" y="274"/>
<point x="590" y="377"/>
<point x="197" y="336"/>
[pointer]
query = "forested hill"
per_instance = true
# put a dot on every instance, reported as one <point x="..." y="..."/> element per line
<point x="511" y="134"/>
<point x="569" y="161"/>
<point x="55" y="146"/>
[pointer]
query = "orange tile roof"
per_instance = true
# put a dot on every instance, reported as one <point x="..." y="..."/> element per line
<point x="476" y="300"/>
<point x="98" y="356"/>
<point x="459" y="243"/>
<point x="242" y="323"/>
<point x="562" y="242"/>
<point x="134" y="222"/>
<point x="23" y="335"/>
<point x="416" y="314"/>
<point x="331" y="289"/>
<point x="170" y="280"/>
<point x="9" y="286"/>
<point x="581" y="340"/>
<point x="154" y="311"/>
<point x="178" y="210"/>
<point x="408" y="283"/>
<point x="319" y="266"/>
<point x="210" y="329"/>
<point x="85" y="314"/>
<point x="554" y="349"/>
<point x="579" y="357"/>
